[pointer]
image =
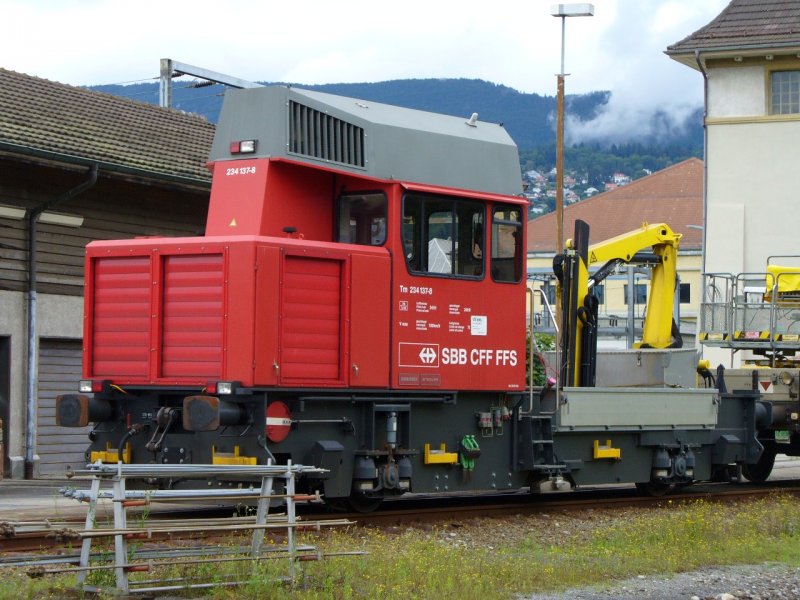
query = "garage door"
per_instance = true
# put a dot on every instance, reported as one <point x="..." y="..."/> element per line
<point x="59" y="373"/>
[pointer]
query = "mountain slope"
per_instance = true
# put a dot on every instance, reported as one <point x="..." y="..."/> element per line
<point x="529" y="118"/>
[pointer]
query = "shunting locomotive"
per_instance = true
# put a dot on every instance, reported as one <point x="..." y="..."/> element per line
<point x="358" y="302"/>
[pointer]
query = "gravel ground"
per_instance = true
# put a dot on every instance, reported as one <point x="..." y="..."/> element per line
<point x="742" y="582"/>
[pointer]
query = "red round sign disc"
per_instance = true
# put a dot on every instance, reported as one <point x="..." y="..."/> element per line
<point x="279" y="421"/>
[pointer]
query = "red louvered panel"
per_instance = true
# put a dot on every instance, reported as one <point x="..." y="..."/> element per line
<point x="311" y="326"/>
<point x="192" y="316"/>
<point x="193" y="338"/>
<point x="121" y="316"/>
<point x="114" y="339"/>
<point x="122" y="294"/>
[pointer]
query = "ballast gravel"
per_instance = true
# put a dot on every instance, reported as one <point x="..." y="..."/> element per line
<point x="740" y="582"/>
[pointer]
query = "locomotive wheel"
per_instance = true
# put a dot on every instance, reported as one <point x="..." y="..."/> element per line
<point x="761" y="470"/>
<point x="653" y="488"/>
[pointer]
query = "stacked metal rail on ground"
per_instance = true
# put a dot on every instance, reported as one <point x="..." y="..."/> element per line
<point x="126" y="562"/>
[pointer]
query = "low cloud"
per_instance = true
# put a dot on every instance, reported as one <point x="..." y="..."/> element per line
<point x="624" y="120"/>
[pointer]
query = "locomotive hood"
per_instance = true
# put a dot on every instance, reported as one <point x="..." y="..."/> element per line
<point x="369" y="138"/>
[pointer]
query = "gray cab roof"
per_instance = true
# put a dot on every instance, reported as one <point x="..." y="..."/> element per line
<point x="369" y="138"/>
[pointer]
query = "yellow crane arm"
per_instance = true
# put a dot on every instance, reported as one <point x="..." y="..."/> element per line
<point x="656" y="245"/>
<point x="658" y="325"/>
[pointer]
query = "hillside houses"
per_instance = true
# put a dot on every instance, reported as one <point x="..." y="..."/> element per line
<point x="540" y="189"/>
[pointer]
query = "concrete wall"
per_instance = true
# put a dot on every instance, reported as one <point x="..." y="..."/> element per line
<point x="12" y="324"/>
<point x="753" y="184"/>
<point x="736" y="91"/>
<point x="58" y="317"/>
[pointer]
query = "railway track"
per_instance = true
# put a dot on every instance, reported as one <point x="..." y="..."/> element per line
<point x="25" y="541"/>
<point x="432" y="509"/>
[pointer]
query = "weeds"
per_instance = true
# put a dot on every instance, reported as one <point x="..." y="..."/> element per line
<point x="495" y="558"/>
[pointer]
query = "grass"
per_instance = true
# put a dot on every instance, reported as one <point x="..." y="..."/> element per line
<point x="501" y="558"/>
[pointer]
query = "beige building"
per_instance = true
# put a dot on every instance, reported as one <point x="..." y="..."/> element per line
<point x="749" y="58"/>
<point x="672" y="196"/>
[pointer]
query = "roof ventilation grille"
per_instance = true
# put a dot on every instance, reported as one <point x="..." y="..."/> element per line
<point x="316" y="134"/>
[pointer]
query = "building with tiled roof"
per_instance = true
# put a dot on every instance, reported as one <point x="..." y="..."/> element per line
<point x="749" y="60"/>
<point x="673" y="195"/>
<point x="45" y="119"/>
<point x="75" y="166"/>
<point x="746" y="28"/>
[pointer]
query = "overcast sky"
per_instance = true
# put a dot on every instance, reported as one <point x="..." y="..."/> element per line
<point x="510" y="42"/>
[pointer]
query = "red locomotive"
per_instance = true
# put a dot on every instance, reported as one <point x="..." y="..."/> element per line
<point x="357" y="302"/>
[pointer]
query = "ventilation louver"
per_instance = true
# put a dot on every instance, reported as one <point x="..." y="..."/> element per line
<point x="318" y="135"/>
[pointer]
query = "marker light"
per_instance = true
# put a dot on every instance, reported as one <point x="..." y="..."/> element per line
<point x="243" y="147"/>
<point x="224" y="387"/>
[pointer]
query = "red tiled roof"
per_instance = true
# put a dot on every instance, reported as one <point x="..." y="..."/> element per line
<point x="673" y="196"/>
<point x="37" y="115"/>
<point x="746" y="24"/>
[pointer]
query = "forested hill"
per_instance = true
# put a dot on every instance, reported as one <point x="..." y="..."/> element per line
<point x="529" y="118"/>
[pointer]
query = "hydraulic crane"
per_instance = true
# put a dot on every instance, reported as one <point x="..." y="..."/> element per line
<point x="655" y="245"/>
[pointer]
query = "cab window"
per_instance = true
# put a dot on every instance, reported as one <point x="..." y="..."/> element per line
<point x="361" y="219"/>
<point x="443" y="235"/>
<point x="506" y="243"/>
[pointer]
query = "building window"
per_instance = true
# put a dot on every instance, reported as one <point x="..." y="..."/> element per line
<point x="639" y="293"/>
<point x="550" y="292"/>
<point x="599" y="292"/>
<point x="785" y="94"/>
<point x="686" y="293"/>
<point x="443" y="236"/>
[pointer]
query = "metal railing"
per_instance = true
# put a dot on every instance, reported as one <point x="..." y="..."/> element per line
<point x="747" y="311"/>
<point x="533" y="347"/>
<point x="125" y="562"/>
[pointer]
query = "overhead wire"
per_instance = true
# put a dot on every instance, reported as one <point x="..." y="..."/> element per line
<point x="132" y="81"/>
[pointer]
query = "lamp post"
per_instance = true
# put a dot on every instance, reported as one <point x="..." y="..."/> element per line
<point x="563" y="11"/>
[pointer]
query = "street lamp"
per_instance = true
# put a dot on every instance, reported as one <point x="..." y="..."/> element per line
<point x="563" y="11"/>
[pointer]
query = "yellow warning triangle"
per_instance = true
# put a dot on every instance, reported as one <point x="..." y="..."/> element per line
<point x="592" y="258"/>
<point x="232" y="223"/>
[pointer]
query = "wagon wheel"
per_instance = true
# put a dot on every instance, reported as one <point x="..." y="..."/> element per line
<point x="654" y="489"/>
<point x="759" y="471"/>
